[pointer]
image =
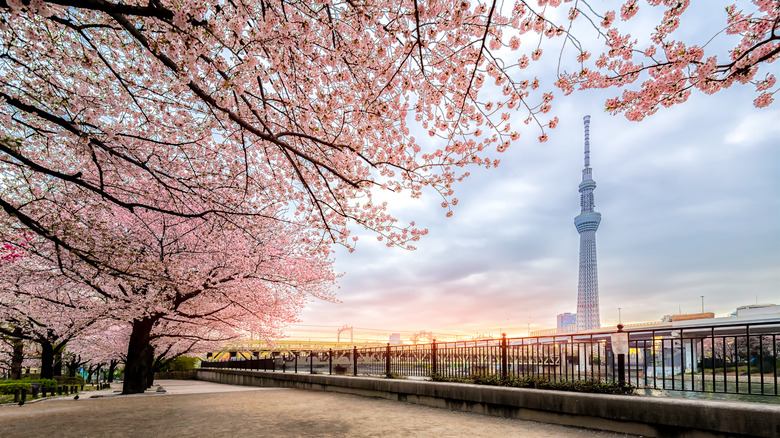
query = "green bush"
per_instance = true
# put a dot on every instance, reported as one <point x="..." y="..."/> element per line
<point x="67" y="380"/>
<point x="11" y="385"/>
<point x="181" y="363"/>
<point x="10" y="388"/>
<point x="48" y="384"/>
<point x="392" y="375"/>
<point x="486" y="379"/>
<point x="438" y="377"/>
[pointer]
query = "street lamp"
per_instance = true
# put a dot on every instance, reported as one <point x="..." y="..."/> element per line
<point x="620" y="348"/>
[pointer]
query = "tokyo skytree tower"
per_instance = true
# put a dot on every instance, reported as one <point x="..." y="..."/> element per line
<point x="587" y="223"/>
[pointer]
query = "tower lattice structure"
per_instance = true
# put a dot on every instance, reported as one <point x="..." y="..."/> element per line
<point x="587" y="223"/>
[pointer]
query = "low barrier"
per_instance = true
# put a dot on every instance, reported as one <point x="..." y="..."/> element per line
<point x="646" y="416"/>
<point x="727" y="358"/>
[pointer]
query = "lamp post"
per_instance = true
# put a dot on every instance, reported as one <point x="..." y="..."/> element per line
<point x="702" y="303"/>
<point x="620" y="347"/>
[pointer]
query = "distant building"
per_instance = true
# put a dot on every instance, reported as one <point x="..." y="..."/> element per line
<point x="566" y="320"/>
<point x="395" y="339"/>
<point x="756" y="310"/>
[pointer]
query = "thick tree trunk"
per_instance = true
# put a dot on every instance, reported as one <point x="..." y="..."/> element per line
<point x="150" y="376"/>
<point x="111" y="369"/>
<point x="57" y="369"/>
<point x="72" y="367"/>
<point x="47" y="359"/>
<point x="17" y="355"/>
<point x="90" y="372"/>
<point x="140" y="355"/>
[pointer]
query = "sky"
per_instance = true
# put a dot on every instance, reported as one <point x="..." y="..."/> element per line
<point x="690" y="204"/>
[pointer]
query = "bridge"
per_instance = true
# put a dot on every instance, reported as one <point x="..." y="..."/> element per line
<point x="248" y="349"/>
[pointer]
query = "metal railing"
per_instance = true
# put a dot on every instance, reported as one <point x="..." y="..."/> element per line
<point x="733" y="359"/>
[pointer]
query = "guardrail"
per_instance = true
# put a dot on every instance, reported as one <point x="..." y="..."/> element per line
<point x="733" y="359"/>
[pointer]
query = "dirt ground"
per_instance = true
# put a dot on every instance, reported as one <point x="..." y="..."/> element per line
<point x="193" y="408"/>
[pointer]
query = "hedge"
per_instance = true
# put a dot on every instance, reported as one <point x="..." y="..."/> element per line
<point x="10" y="388"/>
<point x="48" y="384"/>
<point x="541" y="382"/>
<point x="67" y="380"/>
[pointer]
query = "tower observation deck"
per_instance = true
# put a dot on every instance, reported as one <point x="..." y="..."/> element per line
<point x="587" y="223"/>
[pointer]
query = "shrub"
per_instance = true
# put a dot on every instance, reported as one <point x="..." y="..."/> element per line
<point x="181" y="363"/>
<point x="48" y="384"/>
<point x="486" y="379"/>
<point x="541" y="382"/>
<point x="10" y="388"/>
<point x="68" y="380"/>
<point x="438" y="377"/>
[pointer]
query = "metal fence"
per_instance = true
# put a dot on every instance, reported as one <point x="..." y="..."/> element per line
<point x="734" y="359"/>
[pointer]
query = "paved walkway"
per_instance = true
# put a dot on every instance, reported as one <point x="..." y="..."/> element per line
<point x="194" y="408"/>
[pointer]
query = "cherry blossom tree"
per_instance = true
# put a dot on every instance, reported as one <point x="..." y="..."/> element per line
<point x="216" y="283"/>
<point x="178" y="283"/>
<point x="105" y="345"/>
<point x="190" y="162"/>
<point x="12" y="352"/>
<point x="9" y="253"/>
<point x="670" y="69"/>
<point x="39" y="305"/>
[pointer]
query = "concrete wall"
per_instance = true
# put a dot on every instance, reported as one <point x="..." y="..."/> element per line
<point x="647" y="416"/>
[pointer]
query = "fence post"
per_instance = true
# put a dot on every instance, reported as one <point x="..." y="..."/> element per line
<point x="330" y="361"/>
<point x="354" y="360"/>
<point x="434" y="364"/>
<point x="504" y="361"/>
<point x="387" y="360"/>
<point x="311" y="362"/>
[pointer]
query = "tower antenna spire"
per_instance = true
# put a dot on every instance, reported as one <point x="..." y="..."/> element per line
<point x="586" y="120"/>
